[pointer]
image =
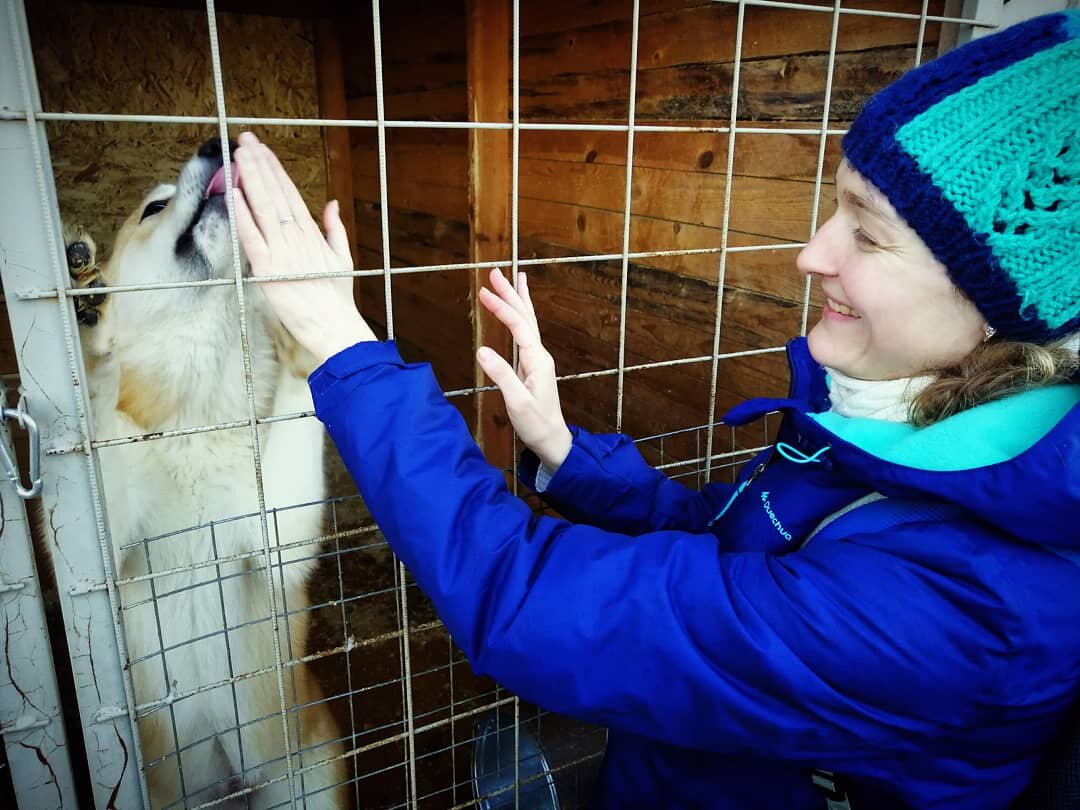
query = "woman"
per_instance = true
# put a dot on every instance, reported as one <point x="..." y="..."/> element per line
<point x="889" y="593"/>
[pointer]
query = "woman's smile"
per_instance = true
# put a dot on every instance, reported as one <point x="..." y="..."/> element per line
<point x="836" y="311"/>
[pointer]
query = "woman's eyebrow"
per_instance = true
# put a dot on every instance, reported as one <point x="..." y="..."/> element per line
<point x="869" y="205"/>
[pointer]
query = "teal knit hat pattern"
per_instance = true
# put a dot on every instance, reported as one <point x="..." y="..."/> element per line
<point x="979" y="151"/>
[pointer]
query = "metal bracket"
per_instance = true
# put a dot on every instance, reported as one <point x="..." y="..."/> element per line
<point x="11" y="467"/>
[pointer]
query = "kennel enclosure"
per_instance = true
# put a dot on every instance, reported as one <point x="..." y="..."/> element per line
<point x="654" y="166"/>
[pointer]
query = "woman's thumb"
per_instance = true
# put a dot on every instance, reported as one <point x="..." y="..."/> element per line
<point x="498" y="370"/>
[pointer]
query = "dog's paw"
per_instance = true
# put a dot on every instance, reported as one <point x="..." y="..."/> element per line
<point x="83" y="268"/>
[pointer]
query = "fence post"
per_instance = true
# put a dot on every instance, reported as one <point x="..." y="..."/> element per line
<point x="53" y="382"/>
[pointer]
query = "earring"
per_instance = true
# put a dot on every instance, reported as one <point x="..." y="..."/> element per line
<point x="988" y="332"/>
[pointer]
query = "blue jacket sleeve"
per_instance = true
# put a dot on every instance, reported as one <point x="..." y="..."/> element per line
<point x="661" y="635"/>
<point x="605" y="482"/>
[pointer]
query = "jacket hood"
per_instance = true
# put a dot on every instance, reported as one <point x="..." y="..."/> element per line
<point x="1013" y="463"/>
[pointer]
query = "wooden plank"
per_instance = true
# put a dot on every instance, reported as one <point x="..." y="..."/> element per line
<point x="436" y="104"/>
<point x="590" y="47"/>
<point x="792" y="157"/>
<point x="267" y="8"/>
<point x="769" y="206"/>
<point x="687" y="33"/>
<point x="425" y="162"/>
<point x="330" y="82"/>
<point x="559" y="229"/>
<point x="416" y="195"/>
<point x="439" y="156"/>
<point x="489" y="70"/>
<point x="706" y="34"/>
<point x="419" y="30"/>
<point x="551" y="230"/>
<point x="788" y="89"/>
<point x="555" y="228"/>
<point x="569" y="15"/>
<point x="763" y="205"/>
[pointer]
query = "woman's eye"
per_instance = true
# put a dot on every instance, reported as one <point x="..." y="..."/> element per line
<point x="153" y="208"/>
<point x="863" y="240"/>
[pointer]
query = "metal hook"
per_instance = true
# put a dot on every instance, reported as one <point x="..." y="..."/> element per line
<point x="27" y="423"/>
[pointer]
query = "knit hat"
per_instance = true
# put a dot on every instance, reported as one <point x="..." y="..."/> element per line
<point x="979" y="152"/>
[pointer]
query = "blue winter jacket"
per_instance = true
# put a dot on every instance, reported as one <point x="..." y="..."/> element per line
<point x="929" y="662"/>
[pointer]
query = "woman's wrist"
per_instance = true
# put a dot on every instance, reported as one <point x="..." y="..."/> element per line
<point x="338" y="334"/>
<point x="553" y="453"/>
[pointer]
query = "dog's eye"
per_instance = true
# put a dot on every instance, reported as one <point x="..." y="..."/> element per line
<point x="153" y="208"/>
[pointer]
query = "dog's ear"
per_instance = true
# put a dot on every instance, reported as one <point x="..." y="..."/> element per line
<point x="82" y="262"/>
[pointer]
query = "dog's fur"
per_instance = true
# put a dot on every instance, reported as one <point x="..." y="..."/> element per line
<point x="170" y="359"/>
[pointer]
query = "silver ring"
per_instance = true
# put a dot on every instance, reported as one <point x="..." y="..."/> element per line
<point x="286" y="220"/>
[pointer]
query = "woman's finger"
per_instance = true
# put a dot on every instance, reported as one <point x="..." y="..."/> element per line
<point x="259" y="189"/>
<point x="526" y="298"/>
<point x="336" y="235"/>
<point x="505" y="290"/>
<point x="514" y="392"/>
<point x="250" y="237"/>
<point x="290" y="194"/>
<point x="519" y="327"/>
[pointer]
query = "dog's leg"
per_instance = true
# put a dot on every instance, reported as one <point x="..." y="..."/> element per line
<point x="294" y="483"/>
<point x="293" y="480"/>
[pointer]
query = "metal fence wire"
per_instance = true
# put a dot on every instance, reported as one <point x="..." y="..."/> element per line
<point x="235" y="632"/>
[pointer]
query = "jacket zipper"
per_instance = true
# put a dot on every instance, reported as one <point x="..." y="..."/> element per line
<point x="757" y="471"/>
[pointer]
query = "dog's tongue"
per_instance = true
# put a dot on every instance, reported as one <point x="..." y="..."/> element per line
<point x="217" y="182"/>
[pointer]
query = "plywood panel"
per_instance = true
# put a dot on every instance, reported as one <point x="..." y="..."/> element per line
<point x="157" y="62"/>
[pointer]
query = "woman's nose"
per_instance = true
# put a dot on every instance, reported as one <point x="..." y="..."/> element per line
<point x="819" y="257"/>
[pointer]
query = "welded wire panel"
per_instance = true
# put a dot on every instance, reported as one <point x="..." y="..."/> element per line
<point x="254" y="638"/>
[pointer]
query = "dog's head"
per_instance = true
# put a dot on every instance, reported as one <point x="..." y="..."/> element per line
<point x="177" y="349"/>
<point x="179" y="232"/>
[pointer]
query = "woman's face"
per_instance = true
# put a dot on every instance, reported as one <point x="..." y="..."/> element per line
<point x="891" y="310"/>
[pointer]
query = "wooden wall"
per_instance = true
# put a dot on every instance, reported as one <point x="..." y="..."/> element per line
<point x="575" y="68"/>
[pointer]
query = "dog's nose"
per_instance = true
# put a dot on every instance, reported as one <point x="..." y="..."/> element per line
<point x="212" y="148"/>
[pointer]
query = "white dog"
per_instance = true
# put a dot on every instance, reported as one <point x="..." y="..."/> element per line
<point x="187" y="506"/>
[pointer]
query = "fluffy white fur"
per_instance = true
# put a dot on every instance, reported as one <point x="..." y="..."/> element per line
<point x="170" y="359"/>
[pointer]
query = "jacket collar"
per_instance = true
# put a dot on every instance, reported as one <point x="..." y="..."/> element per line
<point x="807" y="393"/>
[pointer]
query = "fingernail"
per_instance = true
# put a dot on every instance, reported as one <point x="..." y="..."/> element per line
<point x="484" y="353"/>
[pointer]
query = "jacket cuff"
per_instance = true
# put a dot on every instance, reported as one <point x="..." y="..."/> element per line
<point x="534" y="475"/>
<point x="358" y="357"/>
<point x="593" y="476"/>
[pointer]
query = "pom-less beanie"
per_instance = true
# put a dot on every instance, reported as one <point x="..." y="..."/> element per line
<point x="979" y="151"/>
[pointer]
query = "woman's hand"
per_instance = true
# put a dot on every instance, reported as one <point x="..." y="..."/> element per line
<point x="280" y="238"/>
<point x="531" y="395"/>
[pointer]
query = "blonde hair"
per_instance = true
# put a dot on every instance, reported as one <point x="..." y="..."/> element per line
<point x="993" y="370"/>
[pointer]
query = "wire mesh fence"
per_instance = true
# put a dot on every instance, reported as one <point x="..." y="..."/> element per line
<point x="237" y="628"/>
